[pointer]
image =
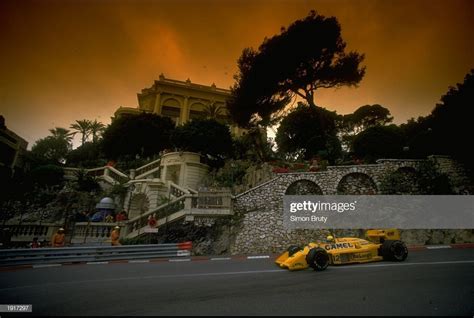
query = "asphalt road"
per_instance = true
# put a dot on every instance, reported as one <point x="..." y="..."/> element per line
<point x="434" y="282"/>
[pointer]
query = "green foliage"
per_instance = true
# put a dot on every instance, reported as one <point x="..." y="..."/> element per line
<point x="447" y="129"/>
<point x="51" y="149"/>
<point x="253" y="146"/>
<point x="232" y="173"/>
<point x="47" y="175"/>
<point x="379" y="142"/>
<point x="85" y="182"/>
<point x="148" y="238"/>
<point x="369" y="116"/>
<point x="452" y="118"/>
<point x="88" y="128"/>
<point x="364" y="117"/>
<point x="308" y="132"/>
<point x="308" y="55"/>
<point x="117" y="190"/>
<point x="96" y="130"/>
<point x="88" y="155"/>
<point x="82" y="127"/>
<point x="137" y="135"/>
<point x="431" y="181"/>
<point x="426" y="180"/>
<point x="205" y="136"/>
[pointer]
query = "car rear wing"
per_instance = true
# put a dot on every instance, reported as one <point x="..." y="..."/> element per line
<point x="379" y="236"/>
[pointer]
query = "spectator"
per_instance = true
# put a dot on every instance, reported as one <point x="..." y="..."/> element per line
<point x="35" y="243"/>
<point x="152" y="220"/>
<point x="97" y="217"/>
<point x="115" y="236"/>
<point x="121" y="216"/>
<point x="58" y="239"/>
<point x="109" y="218"/>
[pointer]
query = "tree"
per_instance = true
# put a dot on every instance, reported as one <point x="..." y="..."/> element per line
<point x="47" y="175"/>
<point x="379" y="142"/>
<point x="83" y="127"/>
<point x="212" y="111"/>
<point x="253" y="146"/>
<point x="447" y="129"/>
<point x="62" y="133"/>
<point x="368" y="116"/>
<point x="364" y="117"/>
<point x="88" y="155"/>
<point x="425" y="180"/>
<point x="308" y="132"/>
<point x="53" y="149"/>
<point x="96" y="130"/>
<point x="137" y="135"/>
<point x="308" y="55"/>
<point x="205" y="136"/>
<point x="420" y="139"/>
<point x="452" y="119"/>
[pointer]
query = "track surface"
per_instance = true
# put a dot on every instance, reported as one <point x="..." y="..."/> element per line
<point x="432" y="282"/>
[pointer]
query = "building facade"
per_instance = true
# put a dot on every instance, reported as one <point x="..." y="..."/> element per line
<point x="12" y="149"/>
<point x="183" y="101"/>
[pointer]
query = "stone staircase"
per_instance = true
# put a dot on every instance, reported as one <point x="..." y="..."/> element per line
<point x="186" y="207"/>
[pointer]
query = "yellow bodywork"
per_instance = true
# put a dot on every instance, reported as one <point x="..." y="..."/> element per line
<point x="344" y="250"/>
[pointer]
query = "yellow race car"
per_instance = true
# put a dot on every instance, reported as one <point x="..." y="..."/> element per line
<point x="379" y="245"/>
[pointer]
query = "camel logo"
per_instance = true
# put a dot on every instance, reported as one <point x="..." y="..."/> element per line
<point x="338" y="246"/>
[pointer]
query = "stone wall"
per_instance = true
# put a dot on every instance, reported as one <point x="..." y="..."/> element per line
<point x="260" y="209"/>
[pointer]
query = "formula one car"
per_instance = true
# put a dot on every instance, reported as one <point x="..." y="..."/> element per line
<point x="380" y="245"/>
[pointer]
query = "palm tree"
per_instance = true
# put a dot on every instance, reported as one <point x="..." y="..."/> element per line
<point x="83" y="127"/>
<point x="96" y="129"/>
<point x="212" y="111"/>
<point x="62" y="133"/>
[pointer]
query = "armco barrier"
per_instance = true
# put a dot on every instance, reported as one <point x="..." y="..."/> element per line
<point x="92" y="254"/>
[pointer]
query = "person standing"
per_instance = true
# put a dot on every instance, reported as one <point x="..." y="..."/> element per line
<point x="115" y="236"/>
<point x="58" y="239"/>
<point x="121" y="216"/>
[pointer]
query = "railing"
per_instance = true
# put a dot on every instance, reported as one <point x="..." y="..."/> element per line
<point x="162" y="211"/>
<point x="145" y="170"/>
<point x="115" y="175"/>
<point x="27" y="231"/>
<point x="96" y="172"/>
<point x="70" y="173"/>
<point x="177" y="191"/>
<point x="88" y="232"/>
<point x="30" y="230"/>
<point x="109" y="174"/>
<point x="92" y="254"/>
<point x="204" y="203"/>
<point x="212" y="200"/>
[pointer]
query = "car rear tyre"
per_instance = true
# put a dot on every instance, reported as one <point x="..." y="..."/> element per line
<point x="395" y="251"/>
<point x="318" y="259"/>
<point x="293" y="249"/>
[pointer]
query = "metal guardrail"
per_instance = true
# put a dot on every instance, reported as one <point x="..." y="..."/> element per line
<point x="92" y="254"/>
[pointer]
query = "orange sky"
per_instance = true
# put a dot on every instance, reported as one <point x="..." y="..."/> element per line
<point x="67" y="60"/>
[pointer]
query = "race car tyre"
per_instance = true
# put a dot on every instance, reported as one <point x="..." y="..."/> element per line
<point x="318" y="259"/>
<point x="293" y="249"/>
<point x="395" y="251"/>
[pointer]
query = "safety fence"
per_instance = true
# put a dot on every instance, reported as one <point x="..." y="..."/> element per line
<point x="93" y="254"/>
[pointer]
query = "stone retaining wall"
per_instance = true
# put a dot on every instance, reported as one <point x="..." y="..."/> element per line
<point x="261" y="208"/>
